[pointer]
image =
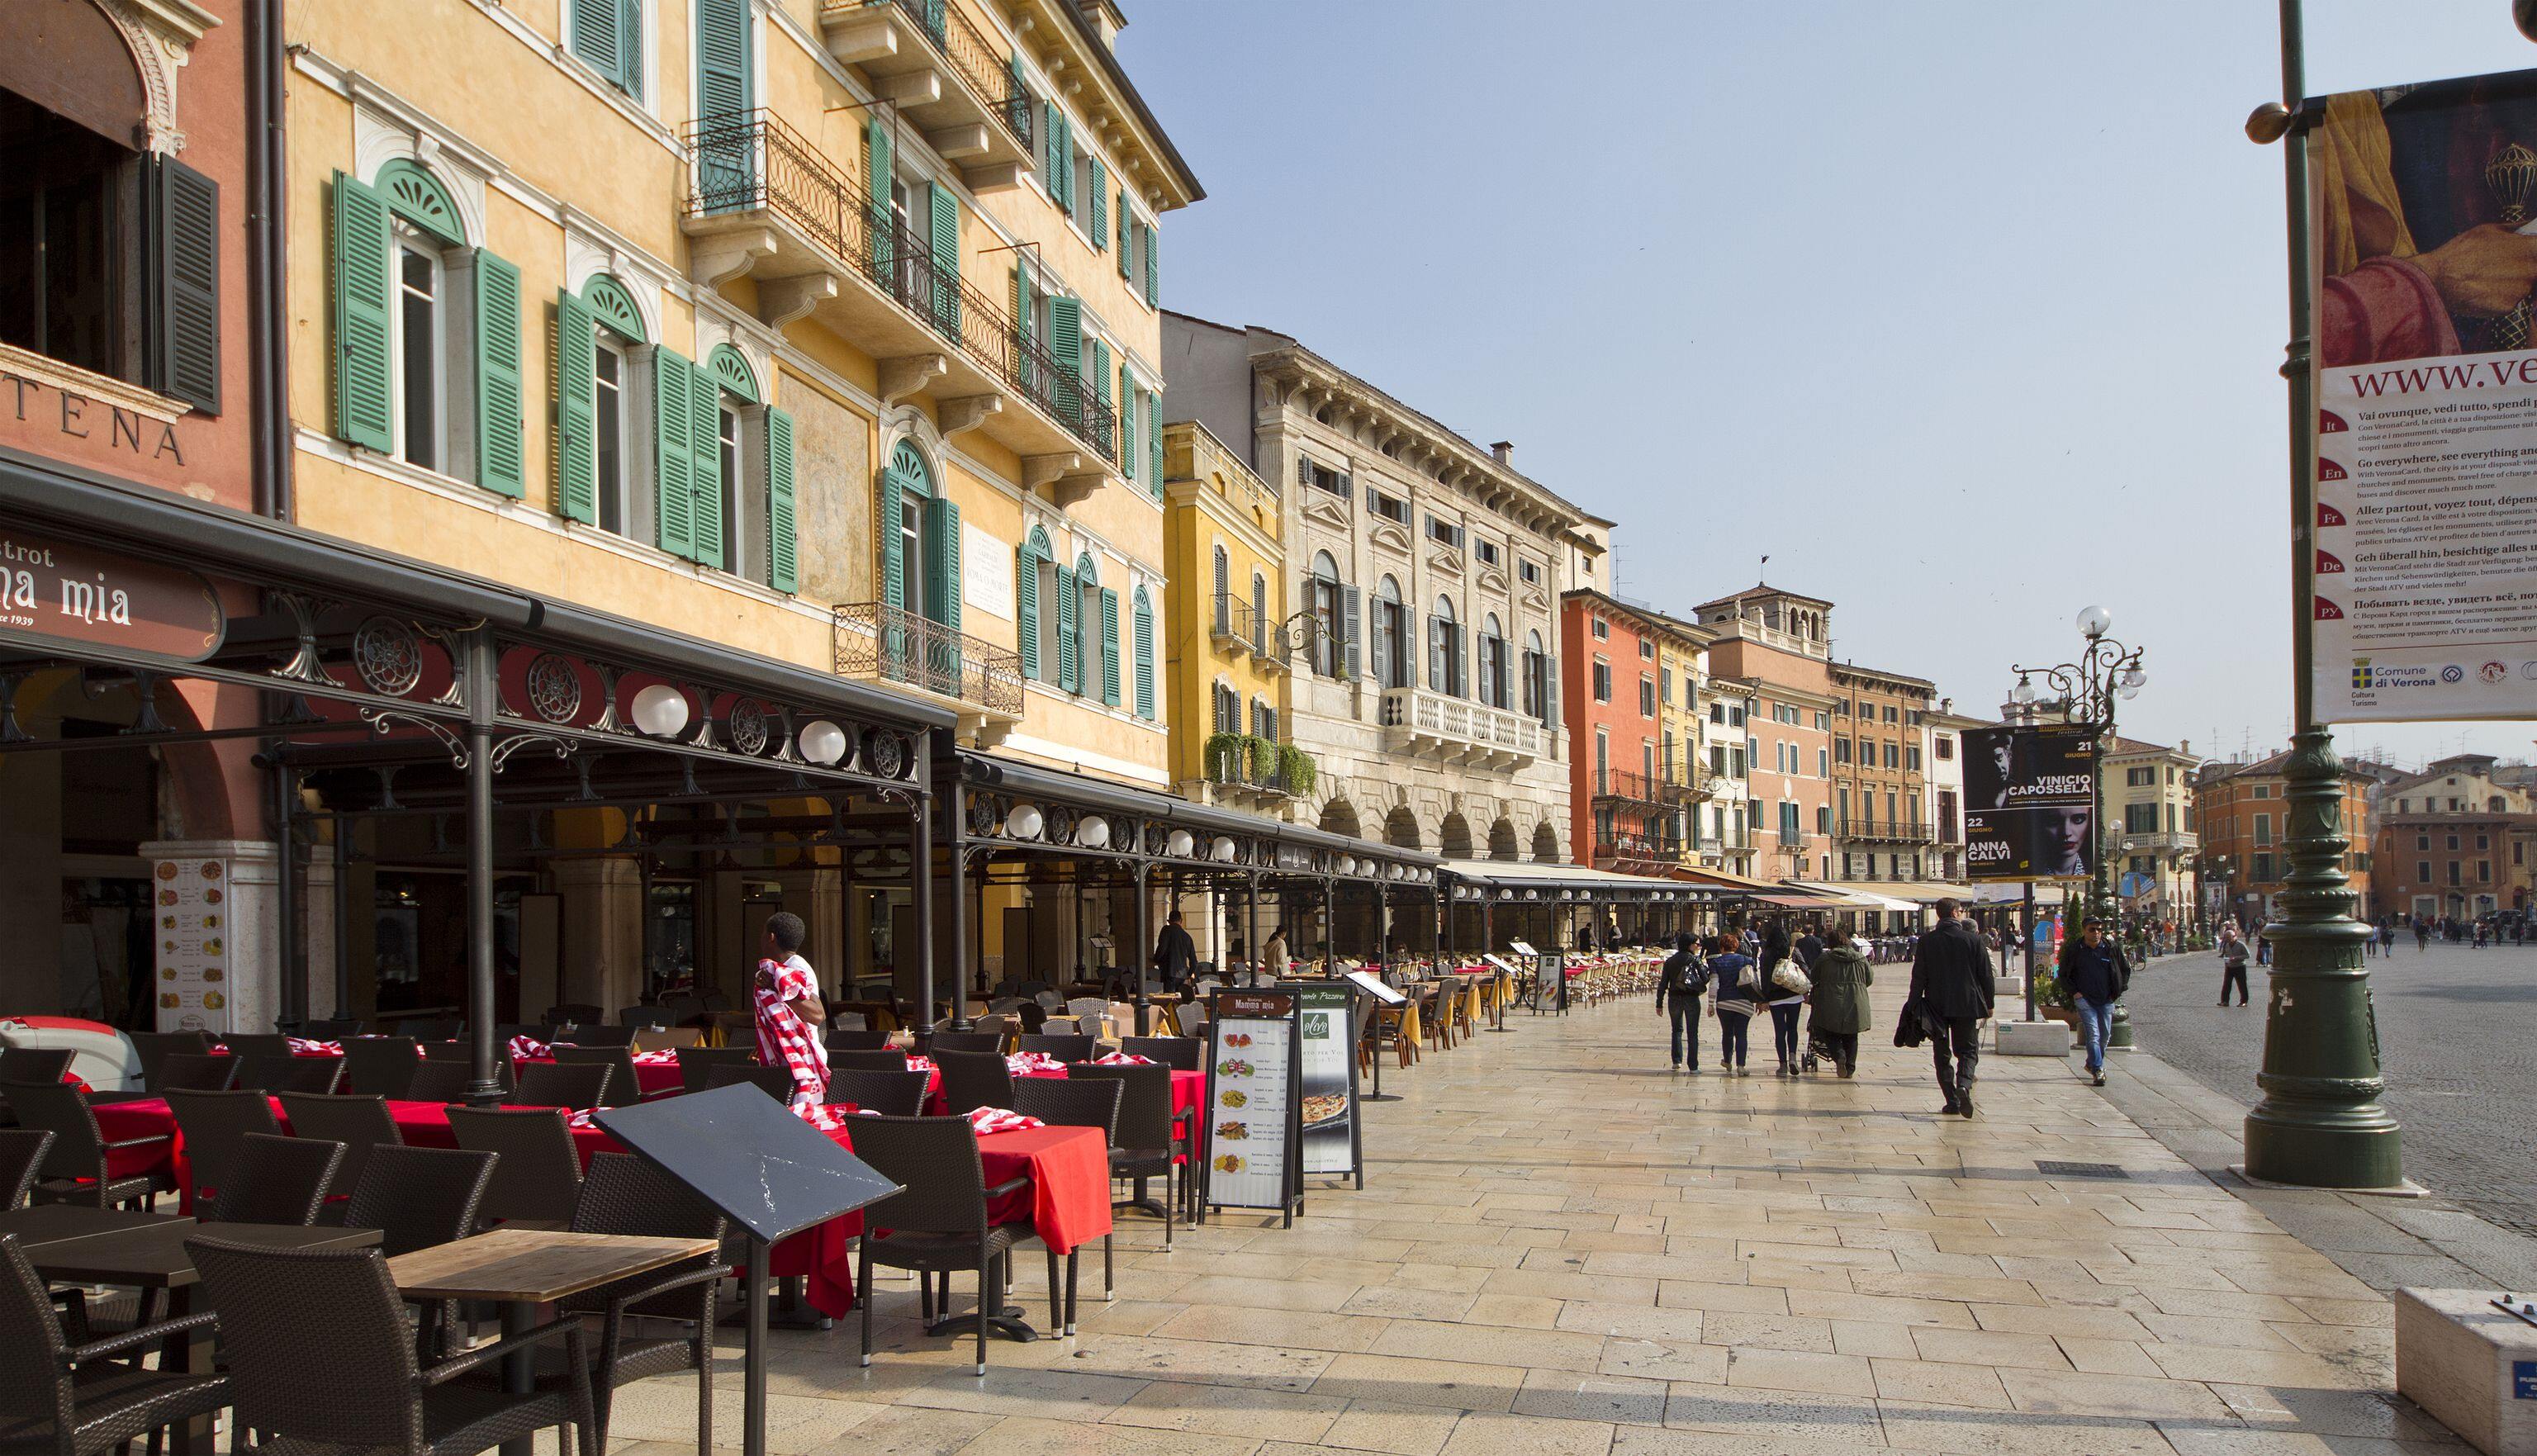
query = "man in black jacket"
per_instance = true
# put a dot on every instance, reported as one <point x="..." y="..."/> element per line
<point x="1679" y="987"/>
<point x="2094" y="973"/>
<point x="1175" y="954"/>
<point x="1951" y="980"/>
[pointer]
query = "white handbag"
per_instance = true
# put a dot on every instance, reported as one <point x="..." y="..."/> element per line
<point x="1787" y="977"/>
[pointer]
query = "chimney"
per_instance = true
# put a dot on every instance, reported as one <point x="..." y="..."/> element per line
<point x="1105" y="19"/>
<point x="1504" y="453"/>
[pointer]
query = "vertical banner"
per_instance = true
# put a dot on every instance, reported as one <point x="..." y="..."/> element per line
<point x="2029" y="802"/>
<point x="1252" y="1109"/>
<point x="2423" y="216"/>
<point x="192" y="906"/>
<point x="1326" y="1083"/>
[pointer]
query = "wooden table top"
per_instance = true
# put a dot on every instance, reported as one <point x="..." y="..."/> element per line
<point x="154" y="1257"/>
<point x="49" y="1224"/>
<point x="534" y="1266"/>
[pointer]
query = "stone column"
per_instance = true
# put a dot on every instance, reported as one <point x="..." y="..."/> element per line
<point x="250" y="928"/>
<point x="817" y="894"/>
<point x="317" y="932"/>
<point x="602" y="951"/>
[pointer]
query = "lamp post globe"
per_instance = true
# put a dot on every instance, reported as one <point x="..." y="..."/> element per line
<point x="2095" y="621"/>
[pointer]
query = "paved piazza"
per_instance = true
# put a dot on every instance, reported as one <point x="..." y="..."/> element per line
<point x="1565" y="1248"/>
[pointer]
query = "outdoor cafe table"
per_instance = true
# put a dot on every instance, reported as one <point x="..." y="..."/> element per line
<point x="153" y="1256"/>
<point x="652" y="1074"/>
<point x="1067" y="1201"/>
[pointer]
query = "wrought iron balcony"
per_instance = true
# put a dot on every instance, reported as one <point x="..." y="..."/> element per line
<point x="1884" y="832"/>
<point x="1235" y="761"/>
<point x="1618" y="850"/>
<point x="1455" y="730"/>
<point x="881" y="644"/>
<point x="1632" y="787"/>
<point x="2160" y="842"/>
<point x="945" y="75"/>
<point x="763" y="200"/>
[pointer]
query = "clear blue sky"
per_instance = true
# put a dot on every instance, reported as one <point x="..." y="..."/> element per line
<point x="1966" y="312"/>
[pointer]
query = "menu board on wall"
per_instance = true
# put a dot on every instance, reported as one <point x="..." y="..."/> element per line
<point x="1252" y="1103"/>
<point x="1325" y="1080"/>
<point x="192" y="909"/>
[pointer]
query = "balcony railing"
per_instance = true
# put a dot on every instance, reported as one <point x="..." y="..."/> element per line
<point x="1234" y="623"/>
<point x="879" y="643"/>
<point x="742" y="161"/>
<point x="1637" y="788"/>
<point x="1627" y="849"/>
<point x="1234" y="762"/>
<point x="1884" y="832"/>
<point x="1433" y="722"/>
<point x="958" y="40"/>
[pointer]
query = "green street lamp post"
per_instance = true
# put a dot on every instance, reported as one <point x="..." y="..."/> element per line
<point x="2106" y="671"/>
<point x="2320" y="1123"/>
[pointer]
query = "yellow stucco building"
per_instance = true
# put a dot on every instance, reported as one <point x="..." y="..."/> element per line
<point x="1226" y="661"/>
<point x="829" y="330"/>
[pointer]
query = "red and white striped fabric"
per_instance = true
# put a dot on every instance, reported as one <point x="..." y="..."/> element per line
<point x="1123" y="1059"/>
<point x="782" y="1038"/>
<point x="665" y="1057"/>
<point x="302" y="1047"/>
<point x="1022" y="1062"/>
<point x="1001" y="1120"/>
<point x="920" y="1064"/>
<point x="529" y="1049"/>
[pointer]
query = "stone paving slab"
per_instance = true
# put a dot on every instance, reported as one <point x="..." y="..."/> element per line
<point x="1564" y="1247"/>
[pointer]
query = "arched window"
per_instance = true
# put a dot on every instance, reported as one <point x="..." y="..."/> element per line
<point x="604" y="437"/>
<point x="1035" y="605"/>
<point x="1329" y="626"/>
<point x="1444" y="655"/>
<point x="1493" y="662"/>
<point x="1391" y="660"/>
<point x="749" y="452"/>
<point x="1538" y="701"/>
<point x="1145" y="654"/>
<point x="1096" y="632"/>
<point x="920" y="540"/>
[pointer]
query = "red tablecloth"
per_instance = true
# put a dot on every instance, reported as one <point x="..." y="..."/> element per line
<point x="649" y="1076"/>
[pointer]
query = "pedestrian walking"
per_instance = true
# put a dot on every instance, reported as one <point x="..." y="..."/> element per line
<point x="2387" y="936"/>
<point x="2264" y="949"/>
<point x="2232" y="964"/>
<point x="1784" y="982"/>
<point x="2093" y="972"/>
<point x="1842" y="976"/>
<point x="2422" y="935"/>
<point x="1951" y="980"/>
<point x="1809" y="945"/>
<point x="1175" y="954"/>
<point x="1734" y="994"/>
<point x="1678" y="986"/>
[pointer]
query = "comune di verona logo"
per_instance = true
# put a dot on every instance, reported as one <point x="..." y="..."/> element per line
<point x="2494" y="672"/>
<point x="2361" y="674"/>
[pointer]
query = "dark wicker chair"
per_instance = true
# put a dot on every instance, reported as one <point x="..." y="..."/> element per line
<point x="696" y="1063"/>
<point x="974" y="1079"/>
<point x="419" y="1197"/>
<point x="432" y="1031"/>
<point x="892" y="1093"/>
<point x="937" y="1223"/>
<point x="75" y="1167"/>
<point x="153" y="1049"/>
<point x="379" y="1066"/>
<point x="358" y="1123"/>
<point x="1064" y="1047"/>
<point x="276" y="1180"/>
<point x="856" y="1039"/>
<point x="318" y="1358"/>
<point x="256" y="1044"/>
<point x="944" y="1041"/>
<point x="74" y="1399"/>
<point x="34" y="1063"/>
<point x="264" y="1074"/>
<point x="539" y="1177"/>
<point x="636" y="1017"/>
<point x="1072" y="1101"/>
<point x="445" y="1049"/>
<point x="881" y="1059"/>
<point x="574" y="1084"/>
<point x="624" y="1083"/>
<point x="575" y="1014"/>
<point x="216" y="1125"/>
<point x="185" y="1071"/>
<point x="1148" y="1136"/>
<point x="439" y="1082"/>
<point x="21" y="1156"/>
<point x="776" y="1082"/>
<point x="332" y="1030"/>
<point x="1180" y="1053"/>
<point x="594" y="1032"/>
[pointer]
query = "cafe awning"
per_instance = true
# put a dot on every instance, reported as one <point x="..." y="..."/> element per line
<point x="1574" y="881"/>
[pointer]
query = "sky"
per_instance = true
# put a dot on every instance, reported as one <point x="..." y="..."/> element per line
<point x="1965" y="312"/>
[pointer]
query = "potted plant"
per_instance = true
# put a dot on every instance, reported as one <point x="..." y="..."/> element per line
<point x="1223" y="756"/>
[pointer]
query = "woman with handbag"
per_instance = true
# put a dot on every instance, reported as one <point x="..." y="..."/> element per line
<point x="1735" y="994"/>
<point x="1786" y="987"/>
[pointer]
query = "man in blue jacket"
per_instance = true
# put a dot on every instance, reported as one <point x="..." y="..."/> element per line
<point x="2093" y="972"/>
<point x="1679" y="987"/>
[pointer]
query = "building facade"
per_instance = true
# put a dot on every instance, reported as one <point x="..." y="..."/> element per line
<point x="1782" y="640"/>
<point x="2150" y="826"/>
<point x="1428" y="572"/>
<point x="1727" y="816"/>
<point x="1225" y="660"/>
<point x="1946" y="729"/>
<point x="1633" y="790"/>
<point x="2450" y="864"/>
<point x="1882" y="823"/>
<point x="2241" y="812"/>
<point x="827" y="332"/>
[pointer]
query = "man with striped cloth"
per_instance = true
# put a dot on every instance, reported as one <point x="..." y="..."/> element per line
<point x="788" y="1011"/>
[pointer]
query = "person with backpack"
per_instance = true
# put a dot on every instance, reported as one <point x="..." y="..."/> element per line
<point x="1678" y="986"/>
<point x="1734" y="994"/>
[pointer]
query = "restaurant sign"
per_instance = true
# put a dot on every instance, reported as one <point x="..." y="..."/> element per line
<point x="69" y="597"/>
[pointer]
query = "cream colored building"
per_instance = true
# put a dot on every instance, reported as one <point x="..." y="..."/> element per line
<point x="2150" y="828"/>
<point x="1427" y="680"/>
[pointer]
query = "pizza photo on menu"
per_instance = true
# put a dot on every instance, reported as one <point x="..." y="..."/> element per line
<point x="1325" y="1107"/>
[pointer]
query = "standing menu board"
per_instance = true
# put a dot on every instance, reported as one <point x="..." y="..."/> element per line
<point x="1252" y="1104"/>
<point x="191" y="905"/>
<point x="1325" y="1081"/>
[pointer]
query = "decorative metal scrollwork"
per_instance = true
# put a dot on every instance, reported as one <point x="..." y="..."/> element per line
<point x="986" y="817"/>
<point x="1123" y="834"/>
<point x="554" y="688"/>
<point x="387" y="720"/>
<point x="563" y="747"/>
<point x="388" y="655"/>
<point x="307" y="664"/>
<point x="1158" y="838"/>
<point x="747" y="726"/>
<point x="885" y="754"/>
<point x="607" y="721"/>
<point x="1061" y="821"/>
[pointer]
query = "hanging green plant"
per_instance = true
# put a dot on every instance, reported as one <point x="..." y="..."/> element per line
<point x="1223" y="754"/>
<point x="1298" y="770"/>
<point x="1264" y="756"/>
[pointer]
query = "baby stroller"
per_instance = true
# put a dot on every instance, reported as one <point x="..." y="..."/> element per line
<point x="1818" y="1049"/>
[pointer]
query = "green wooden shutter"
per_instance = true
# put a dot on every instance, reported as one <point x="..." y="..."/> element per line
<point x="1069" y="608"/>
<point x="722" y="57"/>
<point x="598" y="36"/>
<point x="363" y="383"/>
<point x="1350" y="634"/>
<point x="946" y="260"/>
<point x="1127" y="420"/>
<point x="673" y="464"/>
<point x="501" y="453"/>
<point x="943" y="560"/>
<point x="1097" y="182"/>
<point x="1145" y="647"/>
<point x="1153" y="269"/>
<point x="782" y="549"/>
<point x="1124" y="248"/>
<point x="1109" y="646"/>
<point x="630" y="46"/>
<point x="1066" y="346"/>
<point x="876" y="175"/>
<point x="186" y="241"/>
<point x="1022" y="314"/>
<point x="576" y="410"/>
<point x="704" y="481"/>
<point x="1026" y="607"/>
<point x="1153" y="445"/>
<point x="1053" y="168"/>
<point x="893" y="563"/>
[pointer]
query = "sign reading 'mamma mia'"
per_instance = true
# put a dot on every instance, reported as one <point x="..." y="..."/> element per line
<point x="63" y="595"/>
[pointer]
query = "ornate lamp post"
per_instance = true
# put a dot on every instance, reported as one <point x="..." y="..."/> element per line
<point x="2086" y="692"/>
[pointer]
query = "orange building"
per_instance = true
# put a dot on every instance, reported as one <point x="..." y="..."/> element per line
<point x="1631" y="802"/>
<point x="2242" y="810"/>
<point x="1782" y="640"/>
